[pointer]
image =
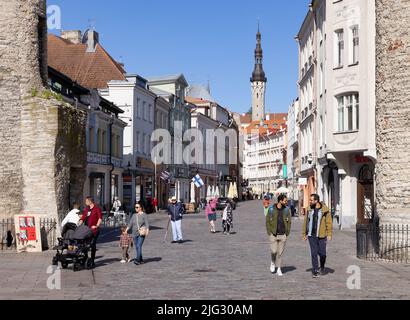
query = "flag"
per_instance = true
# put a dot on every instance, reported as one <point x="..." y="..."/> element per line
<point x="165" y="175"/>
<point x="199" y="183"/>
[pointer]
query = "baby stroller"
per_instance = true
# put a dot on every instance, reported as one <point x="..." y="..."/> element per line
<point x="73" y="247"/>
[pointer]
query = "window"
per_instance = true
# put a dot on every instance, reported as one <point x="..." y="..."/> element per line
<point x="348" y="113"/>
<point x="139" y="108"/>
<point x="355" y="46"/>
<point x="149" y="113"/>
<point x="339" y="48"/>
<point x="138" y="142"/>
<point x="91" y="139"/>
<point x="99" y="141"/>
<point x="144" y="111"/>
<point x="104" y="142"/>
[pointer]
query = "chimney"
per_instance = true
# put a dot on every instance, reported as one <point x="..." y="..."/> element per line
<point x="91" y="39"/>
<point x="74" y="36"/>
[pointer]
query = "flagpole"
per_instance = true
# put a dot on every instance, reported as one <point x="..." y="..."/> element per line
<point x="155" y="177"/>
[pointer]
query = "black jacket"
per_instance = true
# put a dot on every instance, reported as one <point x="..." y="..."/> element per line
<point x="176" y="211"/>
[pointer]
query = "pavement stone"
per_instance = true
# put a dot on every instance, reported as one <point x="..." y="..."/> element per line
<point x="208" y="267"/>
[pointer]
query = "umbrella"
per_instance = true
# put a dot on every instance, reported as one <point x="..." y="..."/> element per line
<point x="209" y="193"/>
<point x="235" y="190"/>
<point x="217" y="193"/>
<point x="231" y="193"/>
<point x="282" y="190"/>
<point x="192" y="192"/>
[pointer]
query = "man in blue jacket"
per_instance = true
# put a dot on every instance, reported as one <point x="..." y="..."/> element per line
<point x="175" y="213"/>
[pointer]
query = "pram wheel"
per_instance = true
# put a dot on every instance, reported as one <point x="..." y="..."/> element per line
<point x="76" y="267"/>
<point x="55" y="261"/>
<point x="64" y="265"/>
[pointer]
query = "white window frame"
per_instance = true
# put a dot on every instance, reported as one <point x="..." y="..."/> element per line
<point x="355" y="41"/>
<point x="339" y="48"/>
<point x="348" y="112"/>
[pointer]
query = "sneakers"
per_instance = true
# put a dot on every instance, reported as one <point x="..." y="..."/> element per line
<point x="322" y="272"/>
<point x="316" y="274"/>
<point x="272" y="268"/>
<point x="123" y="261"/>
<point x="280" y="274"/>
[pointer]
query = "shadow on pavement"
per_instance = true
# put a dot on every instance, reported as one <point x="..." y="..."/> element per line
<point x="327" y="271"/>
<point x="288" y="269"/>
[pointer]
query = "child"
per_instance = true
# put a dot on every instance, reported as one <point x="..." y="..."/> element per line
<point x="227" y="219"/>
<point x="125" y="243"/>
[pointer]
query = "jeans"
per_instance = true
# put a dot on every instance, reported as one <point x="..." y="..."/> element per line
<point x="177" y="230"/>
<point x="318" y="248"/>
<point x="277" y="245"/>
<point x="138" y="241"/>
<point x="94" y="246"/>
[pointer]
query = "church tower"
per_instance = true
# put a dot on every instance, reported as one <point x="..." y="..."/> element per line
<point x="258" y="81"/>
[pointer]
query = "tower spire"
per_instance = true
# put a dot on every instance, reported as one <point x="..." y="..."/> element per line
<point x="258" y="81"/>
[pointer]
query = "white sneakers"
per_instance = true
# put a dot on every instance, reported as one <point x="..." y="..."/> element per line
<point x="273" y="270"/>
<point x="123" y="261"/>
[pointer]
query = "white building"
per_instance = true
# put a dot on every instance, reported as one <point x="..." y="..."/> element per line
<point x="293" y="150"/>
<point x="340" y="55"/>
<point x="208" y="115"/>
<point x="265" y="148"/>
<point x="346" y="130"/>
<point x="133" y="96"/>
<point x="308" y="108"/>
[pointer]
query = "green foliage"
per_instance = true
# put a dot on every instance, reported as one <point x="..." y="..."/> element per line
<point x="34" y="92"/>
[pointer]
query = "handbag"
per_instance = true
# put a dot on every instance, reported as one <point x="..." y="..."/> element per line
<point x="143" y="231"/>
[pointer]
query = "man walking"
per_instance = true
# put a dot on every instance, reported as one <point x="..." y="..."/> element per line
<point x="317" y="227"/>
<point x="278" y="225"/>
<point x="175" y="213"/>
<point x="92" y="218"/>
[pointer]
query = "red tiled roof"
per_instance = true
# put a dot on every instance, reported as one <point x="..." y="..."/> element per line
<point x="92" y="70"/>
<point x="196" y="100"/>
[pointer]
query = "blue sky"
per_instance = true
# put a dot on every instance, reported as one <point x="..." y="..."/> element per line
<point x="205" y="40"/>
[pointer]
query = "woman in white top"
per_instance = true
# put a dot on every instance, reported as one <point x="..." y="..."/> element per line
<point x="73" y="216"/>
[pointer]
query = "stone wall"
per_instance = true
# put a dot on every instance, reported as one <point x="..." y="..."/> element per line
<point x="19" y="74"/>
<point x="41" y="138"/>
<point x="53" y="141"/>
<point x="393" y="110"/>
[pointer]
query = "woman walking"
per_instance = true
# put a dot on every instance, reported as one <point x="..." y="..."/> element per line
<point x="139" y="227"/>
<point x="211" y="214"/>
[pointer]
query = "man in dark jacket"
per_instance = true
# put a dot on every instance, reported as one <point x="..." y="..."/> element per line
<point x="175" y="213"/>
<point x="278" y="225"/>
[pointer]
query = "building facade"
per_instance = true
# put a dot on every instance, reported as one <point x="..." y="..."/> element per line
<point x="137" y="102"/>
<point x="265" y="155"/>
<point x="179" y="122"/>
<point x="293" y="151"/>
<point x="308" y="109"/>
<point x="104" y="136"/>
<point x="337" y="107"/>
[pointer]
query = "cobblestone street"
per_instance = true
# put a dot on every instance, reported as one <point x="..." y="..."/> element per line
<point x="207" y="266"/>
